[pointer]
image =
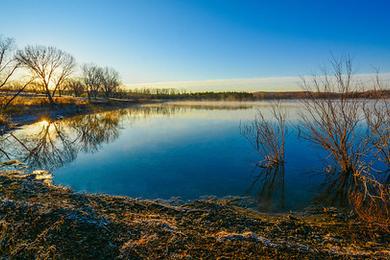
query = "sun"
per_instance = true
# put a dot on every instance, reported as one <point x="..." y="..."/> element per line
<point x="44" y="122"/>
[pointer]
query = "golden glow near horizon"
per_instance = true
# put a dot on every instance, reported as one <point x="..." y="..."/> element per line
<point x="246" y="84"/>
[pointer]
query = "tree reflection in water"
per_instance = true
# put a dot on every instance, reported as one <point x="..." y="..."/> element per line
<point x="269" y="189"/>
<point x="96" y="129"/>
<point x="335" y="190"/>
<point x="348" y="191"/>
<point x="51" y="144"/>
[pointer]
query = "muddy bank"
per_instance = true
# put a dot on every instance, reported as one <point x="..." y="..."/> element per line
<point x="40" y="220"/>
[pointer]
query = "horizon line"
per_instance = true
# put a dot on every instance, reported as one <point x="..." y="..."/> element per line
<point x="253" y="84"/>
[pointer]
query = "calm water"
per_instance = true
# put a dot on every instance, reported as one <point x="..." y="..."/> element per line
<point x="186" y="150"/>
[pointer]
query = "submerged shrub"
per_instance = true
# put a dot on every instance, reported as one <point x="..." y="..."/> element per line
<point x="335" y="124"/>
<point x="268" y="136"/>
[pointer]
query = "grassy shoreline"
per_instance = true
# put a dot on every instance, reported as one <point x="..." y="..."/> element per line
<point x="25" y="113"/>
<point x="38" y="219"/>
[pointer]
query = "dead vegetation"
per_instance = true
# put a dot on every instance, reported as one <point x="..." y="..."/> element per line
<point x="41" y="221"/>
<point x="30" y="101"/>
<point x="4" y="120"/>
<point x="268" y="135"/>
<point x="355" y="133"/>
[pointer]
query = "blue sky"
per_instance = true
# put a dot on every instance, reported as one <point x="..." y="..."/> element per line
<point x="202" y="41"/>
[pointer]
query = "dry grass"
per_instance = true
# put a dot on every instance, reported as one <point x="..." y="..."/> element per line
<point x="40" y="221"/>
<point x="27" y="105"/>
<point x="41" y="101"/>
<point x="4" y="120"/>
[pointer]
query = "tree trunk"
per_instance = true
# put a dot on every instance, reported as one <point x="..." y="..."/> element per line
<point x="49" y="96"/>
<point x="17" y="94"/>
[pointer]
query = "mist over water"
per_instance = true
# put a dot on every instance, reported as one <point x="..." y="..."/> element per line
<point x="187" y="150"/>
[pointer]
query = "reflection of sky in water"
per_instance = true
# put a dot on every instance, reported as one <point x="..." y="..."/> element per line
<point x="190" y="153"/>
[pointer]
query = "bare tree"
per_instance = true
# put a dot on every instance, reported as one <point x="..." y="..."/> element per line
<point x="8" y="64"/>
<point x="377" y="116"/>
<point x="378" y="122"/>
<point x="268" y="136"/>
<point x="76" y="86"/>
<point x="332" y="122"/>
<point x="336" y="123"/>
<point x="19" y="89"/>
<point x="110" y="81"/>
<point x="93" y="79"/>
<point x="52" y="66"/>
<point x="8" y="67"/>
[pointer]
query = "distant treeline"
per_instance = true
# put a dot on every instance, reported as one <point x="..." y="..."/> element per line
<point x="185" y="95"/>
<point x="176" y="94"/>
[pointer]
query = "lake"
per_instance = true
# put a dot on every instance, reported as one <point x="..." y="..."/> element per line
<point x="172" y="151"/>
